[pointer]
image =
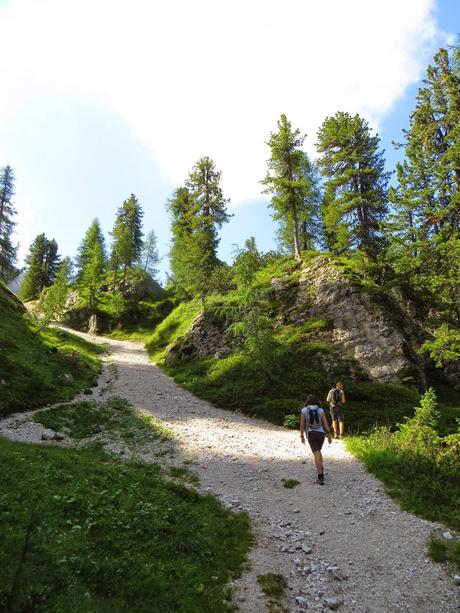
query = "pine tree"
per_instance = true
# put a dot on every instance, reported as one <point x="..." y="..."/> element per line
<point x="91" y="261"/>
<point x="292" y="184"/>
<point x="355" y="185"/>
<point x="42" y="265"/>
<point x="197" y="210"/>
<point x="127" y="239"/>
<point x="425" y="225"/>
<point x="7" y="211"/>
<point x="308" y="213"/>
<point x="52" y="303"/>
<point x="182" y="258"/>
<point x="150" y="256"/>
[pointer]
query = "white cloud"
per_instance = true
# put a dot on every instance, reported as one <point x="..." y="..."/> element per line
<point x="212" y="77"/>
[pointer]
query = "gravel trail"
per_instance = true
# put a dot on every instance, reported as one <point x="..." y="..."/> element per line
<point x="343" y="546"/>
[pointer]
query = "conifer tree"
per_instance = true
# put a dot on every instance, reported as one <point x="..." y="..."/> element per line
<point x="355" y="184"/>
<point x="91" y="261"/>
<point x="7" y="211"/>
<point x="150" y="256"/>
<point x="52" y="303"/>
<point x="291" y="182"/>
<point x="308" y="213"/>
<point x="425" y="225"/>
<point x="42" y="264"/>
<point x="127" y="239"/>
<point x="197" y="210"/>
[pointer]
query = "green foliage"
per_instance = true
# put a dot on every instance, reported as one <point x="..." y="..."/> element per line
<point x="197" y="210"/>
<point x="91" y="262"/>
<point x="290" y="483"/>
<point x="150" y="256"/>
<point x="355" y="184"/>
<point x="291" y="421"/>
<point x="171" y="329"/>
<point x="126" y="241"/>
<point x="53" y="299"/>
<point x="82" y="531"/>
<point x="42" y="265"/>
<point x="8" y="251"/>
<point x="444" y="347"/>
<point x="444" y="551"/>
<point x="115" y="417"/>
<point x="420" y="468"/>
<point x="425" y="226"/>
<point x="32" y="364"/>
<point x="292" y="182"/>
<point x="273" y="585"/>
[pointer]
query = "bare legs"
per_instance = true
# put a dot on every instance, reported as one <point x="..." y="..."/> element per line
<point x="318" y="462"/>
<point x="339" y="428"/>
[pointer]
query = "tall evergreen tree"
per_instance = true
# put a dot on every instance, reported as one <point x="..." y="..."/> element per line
<point x="91" y="261"/>
<point x="7" y="211"/>
<point x="355" y="184"/>
<point x="197" y="210"/>
<point x="42" y="265"/>
<point x="127" y="238"/>
<point x="291" y="182"/>
<point x="150" y="256"/>
<point x="425" y="225"/>
<point x="308" y="213"/>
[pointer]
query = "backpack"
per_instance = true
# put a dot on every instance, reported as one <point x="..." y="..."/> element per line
<point x="313" y="418"/>
<point x="336" y="396"/>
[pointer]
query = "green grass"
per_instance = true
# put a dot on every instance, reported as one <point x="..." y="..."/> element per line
<point x="290" y="483"/>
<point x="421" y="485"/>
<point x="33" y="365"/>
<point x="84" y="532"/>
<point x="274" y="587"/>
<point x="446" y="552"/>
<point x="172" y="328"/>
<point x="115" y="418"/>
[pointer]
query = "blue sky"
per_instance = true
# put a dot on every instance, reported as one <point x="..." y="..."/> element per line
<point x="108" y="98"/>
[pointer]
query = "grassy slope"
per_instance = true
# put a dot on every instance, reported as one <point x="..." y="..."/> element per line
<point x="84" y="531"/>
<point x="236" y="383"/>
<point x="31" y="374"/>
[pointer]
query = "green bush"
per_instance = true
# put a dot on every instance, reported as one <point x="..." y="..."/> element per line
<point x="420" y="468"/>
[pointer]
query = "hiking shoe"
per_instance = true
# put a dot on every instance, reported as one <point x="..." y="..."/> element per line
<point x="320" y="480"/>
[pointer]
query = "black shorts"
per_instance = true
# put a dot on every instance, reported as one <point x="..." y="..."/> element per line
<point x="337" y="412"/>
<point x="316" y="440"/>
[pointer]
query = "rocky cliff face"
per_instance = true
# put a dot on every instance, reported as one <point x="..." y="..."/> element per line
<point x="372" y="332"/>
<point x="361" y="326"/>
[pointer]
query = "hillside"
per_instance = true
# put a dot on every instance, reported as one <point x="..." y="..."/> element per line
<point x="37" y="368"/>
<point x="329" y="324"/>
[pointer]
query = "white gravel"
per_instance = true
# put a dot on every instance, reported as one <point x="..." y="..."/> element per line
<point x="343" y="546"/>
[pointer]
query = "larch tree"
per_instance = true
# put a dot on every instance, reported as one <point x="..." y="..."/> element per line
<point x="42" y="265"/>
<point x="425" y="225"/>
<point x="198" y="210"/>
<point x="289" y="181"/>
<point x="126" y="239"/>
<point x="355" y="184"/>
<point x="91" y="262"/>
<point x="150" y="256"/>
<point x="8" y="250"/>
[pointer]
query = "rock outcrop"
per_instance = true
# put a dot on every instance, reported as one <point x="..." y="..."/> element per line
<point x="206" y="337"/>
<point x="361" y="325"/>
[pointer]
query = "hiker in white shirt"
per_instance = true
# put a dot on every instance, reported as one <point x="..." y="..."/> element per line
<point x="313" y="421"/>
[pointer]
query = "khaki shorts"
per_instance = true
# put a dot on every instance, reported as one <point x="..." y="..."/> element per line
<point x="337" y="412"/>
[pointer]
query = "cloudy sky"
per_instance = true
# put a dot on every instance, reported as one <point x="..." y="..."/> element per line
<point x="101" y="98"/>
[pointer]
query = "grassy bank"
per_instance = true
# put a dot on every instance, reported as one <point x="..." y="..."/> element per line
<point x="38" y="368"/>
<point x="419" y="467"/>
<point x="85" y="531"/>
